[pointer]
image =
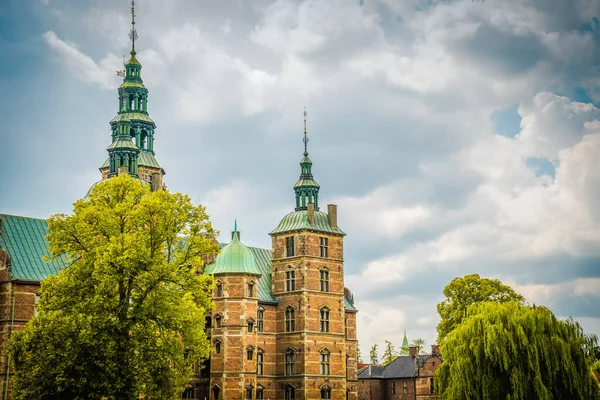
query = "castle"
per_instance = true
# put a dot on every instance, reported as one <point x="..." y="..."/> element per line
<point x="283" y="324"/>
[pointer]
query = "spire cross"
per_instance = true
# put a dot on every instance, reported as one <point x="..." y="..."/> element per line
<point x="305" y="139"/>
<point x="133" y="33"/>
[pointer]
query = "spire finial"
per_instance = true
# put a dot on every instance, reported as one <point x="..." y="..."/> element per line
<point x="133" y="33"/>
<point x="305" y="140"/>
<point x="235" y="232"/>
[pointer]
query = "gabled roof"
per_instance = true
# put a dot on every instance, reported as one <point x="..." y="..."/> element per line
<point x="25" y="240"/>
<point x="400" y="367"/>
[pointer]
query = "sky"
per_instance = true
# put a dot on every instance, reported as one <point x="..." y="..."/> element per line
<point x="455" y="137"/>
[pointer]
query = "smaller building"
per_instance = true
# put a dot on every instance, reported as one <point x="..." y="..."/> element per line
<point x="406" y="377"/>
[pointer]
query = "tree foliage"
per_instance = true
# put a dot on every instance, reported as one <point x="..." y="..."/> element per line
<point x="127" y="315"/>
<point x="467" y="290"/>
<point x="374" y="354"/>
<point x="359" y="358"/>
<point x="419" y="343"/>
<point x="516" y="352"/>
<point x="389" y="353"/>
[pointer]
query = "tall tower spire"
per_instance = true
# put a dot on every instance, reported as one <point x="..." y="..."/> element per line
<point x="133" y="129"/>
<point x="307" y="189"/>
<point x="133" y="33"/>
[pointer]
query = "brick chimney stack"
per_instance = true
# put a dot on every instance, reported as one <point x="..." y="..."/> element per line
<point x="332" y="214"/>
<point x="412" y="351"/>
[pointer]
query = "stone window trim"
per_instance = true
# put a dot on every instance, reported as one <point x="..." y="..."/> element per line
<point x="323" y="247"/>
<point x="324" y="358"/>
<point x="218" y="318"/>
<point x="219" y="289"/>
<point x="260" y="359"/>
<point x="324" y="313"/>
<point x="404" y="388"/>
<point x="290" y="279"/>
<point x="250" y="325"/>
<point x="324" y="279"/>
<point x="217" y="344"/>
<point x="290" y="392"/>
<point x="250" y="353"/>
<point x="393" y="387"/>
<point x="289" y="246"/>
<point x="290" y="361"/>
<point x="290" y="319"/>
<point x="251" y="289"/>
<point x="249" y="392"/>
<point x="260" y="392"/>
<point x="325" y="392"/>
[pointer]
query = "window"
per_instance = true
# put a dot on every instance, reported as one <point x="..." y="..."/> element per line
<point x="290" y="362"/>
<point x="248" y="393"/>
<point x="260" y="393"/>
<point x="324" y="247"/>
<point x="325" y="393"/>
<point x="250" y="325"/>
<point x="260" y="358"/>
<point x="290" y="393"/>
<point x="405" y="388"/>
<point x="188" y="393"/>
<point x="431" y="386"/>
<point x="35" y="307"/>
<point x="324" y="319"/>
<point x="216" y="391"/>
<point x="324" y="280"/>
<point x="260" y="320"/>
<point x="290" y="280"/>
<point x="219" y="289"/>
<point x="217" y="347"/>
<point x="250" y="353"/>
<point x="218" y="321"/>
<point x="346" y="325"/>
<point x="251" y="289"/>
<point x="325" y="362"/>
<point x="290" y="319"/>
<point x="289" y="246"/>
<point x="393" y="387"/>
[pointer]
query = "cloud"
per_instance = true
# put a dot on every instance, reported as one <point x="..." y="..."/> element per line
<point x="82" y="66"/>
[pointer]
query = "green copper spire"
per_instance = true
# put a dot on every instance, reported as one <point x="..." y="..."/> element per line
<point x="405" y="344"/>
<point x="132" y="119"/>
<point x="234" y="258"/>
<point x="307" y="189"/>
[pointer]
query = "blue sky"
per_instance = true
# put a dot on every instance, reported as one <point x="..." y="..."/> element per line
<point x="455" y="136"/>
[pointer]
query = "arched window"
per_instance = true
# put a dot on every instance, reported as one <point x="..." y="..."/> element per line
<point x="249" y="353"/>
<point x="290" y="280"/>
<point x="219" y="289"/>
<point x="290" y="392"/>
<point x="218" y="319"/>
<point x="260" y="359"/>
<point x="260" y="320"/>
<point x="324" y="279"/>
<point x="290" y="362"/>
<point x="324" y="319"/>
<point x="290" y="319"/>
<point x="325" y="392"/>
<point x="217" y="346"/>
<point x="250" y="325"/>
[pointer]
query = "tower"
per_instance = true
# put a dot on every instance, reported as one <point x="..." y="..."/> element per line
<point x="316" y="332"/>
<point x="132" y="129"/>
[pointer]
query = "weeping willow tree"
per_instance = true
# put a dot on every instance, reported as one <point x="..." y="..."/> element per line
<point x="516" y="352"/>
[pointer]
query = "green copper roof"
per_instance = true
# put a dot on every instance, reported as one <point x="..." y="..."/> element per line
<point x="405" y="344"/>
<point x="306" y="182"/>
<point x="298" y="220"/>
<point x="234" y="258"/>
<point x="133" y="116"/>
<point x="127" y="84"/>
<point x="348" y="304"/>
<point x="25" y="240"/>
<point x="147" y="159"/>
<point x="121" y="143"/>
<point x="132" y="60"/>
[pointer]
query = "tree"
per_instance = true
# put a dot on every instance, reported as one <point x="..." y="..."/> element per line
<point x="127" y="315"/>
<point x="419" y="343"/>
<point x="374" y="355"/>
<point x="513" y="351"/>
<point x="462" y="292"/>
<point x="389" y="353"/>
<point x="359" y="358"/>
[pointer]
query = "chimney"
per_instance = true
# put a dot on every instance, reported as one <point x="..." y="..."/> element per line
<point x="311" y="213"/>
<point x="239" y="235"/>
<point x="155" y="183"/>
<point x="435" y="350"/>
<point x="412" y="351"/>
<point x="123" y="170"/>
<point x="332" y="214"/>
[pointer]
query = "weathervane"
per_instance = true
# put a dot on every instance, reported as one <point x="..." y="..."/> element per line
<point x="133" y="33"/>
<point x="305" y="140"/>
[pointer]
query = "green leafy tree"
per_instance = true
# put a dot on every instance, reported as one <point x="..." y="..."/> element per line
<point x="389" y="353"/>
<point x="419" y="343"/>
<point x="467" y="290"/>
<point x="127" y="315"/>
<point x="374" y="354"/>
<point x="517" y="352"/>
